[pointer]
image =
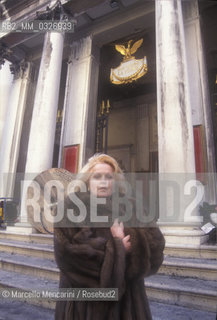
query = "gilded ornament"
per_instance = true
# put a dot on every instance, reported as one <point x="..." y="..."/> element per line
<point x="130" y="68"/>
<point x="128" y="51"/>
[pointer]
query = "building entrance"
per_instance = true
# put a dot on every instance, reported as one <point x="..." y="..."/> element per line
<point x="127" y="112"/>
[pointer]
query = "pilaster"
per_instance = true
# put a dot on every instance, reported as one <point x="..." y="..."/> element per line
<point x="199" y="91"/>
<point x="81" y="98"/>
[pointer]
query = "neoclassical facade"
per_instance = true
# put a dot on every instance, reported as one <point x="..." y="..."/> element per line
<point x="53" y="85"/>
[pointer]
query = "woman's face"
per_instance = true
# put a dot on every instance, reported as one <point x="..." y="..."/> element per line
<point x="101" y="180"/>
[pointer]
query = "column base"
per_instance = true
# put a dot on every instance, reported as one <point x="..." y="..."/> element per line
<point x="3" y="226"/>
<point x="21" y="227"/>
<point x="184" y="235"/>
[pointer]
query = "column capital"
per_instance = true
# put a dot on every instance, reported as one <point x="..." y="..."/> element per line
<point x="56" y="12"/>
<point x="5" y="53"/>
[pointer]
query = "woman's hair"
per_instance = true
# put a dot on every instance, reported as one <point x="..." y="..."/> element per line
<point x="99" y="158"/>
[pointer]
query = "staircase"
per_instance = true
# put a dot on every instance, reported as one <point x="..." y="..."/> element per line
<point x="27" y="263"/>
<point x="187" y="280"/>
<point x="188" y="277"/>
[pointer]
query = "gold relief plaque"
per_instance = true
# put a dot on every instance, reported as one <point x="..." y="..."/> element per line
<point x="130" y="68"/>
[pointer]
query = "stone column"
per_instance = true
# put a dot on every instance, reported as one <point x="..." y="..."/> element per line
<point x="42" y="132"/>
<point x="175" y="130"/>
<point x="81" y="99"/>
<point x="9" y="150"/>
<point x="43" y="125"/>
<point x="6" y="79"/>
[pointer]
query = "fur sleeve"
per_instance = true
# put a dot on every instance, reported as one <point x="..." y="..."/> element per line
<point x="114" y="265"/>
<point x="146" y="255"/>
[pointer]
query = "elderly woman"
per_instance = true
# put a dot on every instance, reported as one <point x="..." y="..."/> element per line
<point x="112" y="257"/>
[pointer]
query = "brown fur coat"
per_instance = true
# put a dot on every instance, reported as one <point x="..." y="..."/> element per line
<point x="92" y="258"/>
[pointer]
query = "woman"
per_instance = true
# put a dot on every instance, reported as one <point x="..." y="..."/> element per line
<point x="115" y="257"/>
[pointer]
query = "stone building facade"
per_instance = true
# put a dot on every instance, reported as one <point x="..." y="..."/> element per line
<point x="53" y="84"/>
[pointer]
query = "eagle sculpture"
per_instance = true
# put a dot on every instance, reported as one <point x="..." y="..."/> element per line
<point x="128" y="51"/>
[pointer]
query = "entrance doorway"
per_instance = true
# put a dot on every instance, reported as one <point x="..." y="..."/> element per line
<point x="131" y="133"/>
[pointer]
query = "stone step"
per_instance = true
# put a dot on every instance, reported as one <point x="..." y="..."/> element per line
<point x="205" y="269"/>
<point x="47" y="268"/>
<point x="187" y="251"/>
<point x="24" y="248"/>
<point x="172" y="290"/>
<point x="24" y="282"/>
<point x="29" y="265"/>
<point x="34" y="238"/>
<point x="192" y="251"/>
<point x="187" y="292"/>
<point x="164" y="311"/>
<point x="34" y="259"/>
<point x="201" y="268"/>
<point x="35" y="272"/>
<point x="16" y="310"/>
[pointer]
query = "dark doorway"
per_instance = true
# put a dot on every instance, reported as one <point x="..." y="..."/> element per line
<point x="132" y="116"/>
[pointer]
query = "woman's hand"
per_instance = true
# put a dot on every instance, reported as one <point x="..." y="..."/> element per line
<point x="127" y="243"/>
<point x="117" y="230"/>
